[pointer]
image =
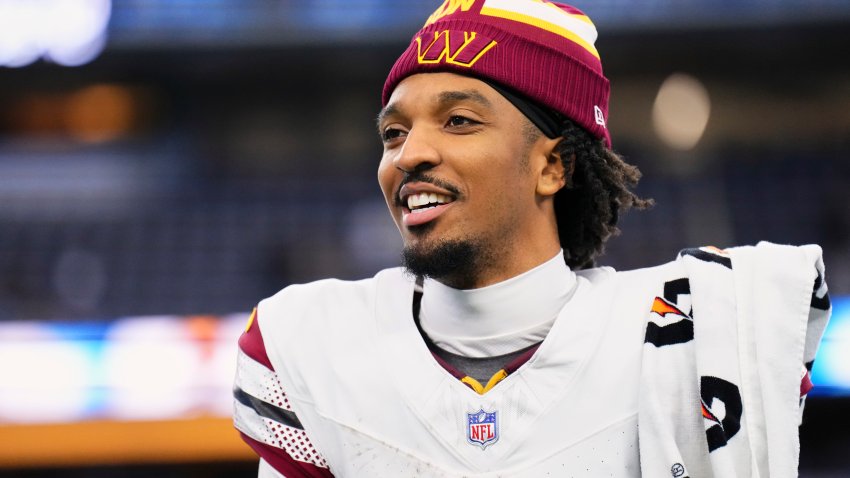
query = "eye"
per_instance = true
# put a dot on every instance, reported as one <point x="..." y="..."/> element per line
<point x="389" y="134"/>
<point x="458" y="120"/>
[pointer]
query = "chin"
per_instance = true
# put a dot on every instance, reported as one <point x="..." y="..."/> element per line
<point x="421" y="230"/>
<point x="455" y="262"/>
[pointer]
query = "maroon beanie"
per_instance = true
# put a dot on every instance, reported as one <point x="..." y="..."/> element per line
<point x="542" y="50"/>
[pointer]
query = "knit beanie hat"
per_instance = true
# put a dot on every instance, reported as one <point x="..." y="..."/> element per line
<point x="541" y="50"/>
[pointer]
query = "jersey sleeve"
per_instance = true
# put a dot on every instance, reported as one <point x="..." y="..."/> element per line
<point x="264" y="417"/>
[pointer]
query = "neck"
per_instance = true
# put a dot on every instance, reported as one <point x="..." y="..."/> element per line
<point x="499" y="318"/>
<point x="491" y="268"/>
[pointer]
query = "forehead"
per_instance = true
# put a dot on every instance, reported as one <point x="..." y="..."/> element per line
<point x="437" y="89"/>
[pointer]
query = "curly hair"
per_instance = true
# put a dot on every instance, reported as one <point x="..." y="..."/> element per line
<point x="597" y="193"/>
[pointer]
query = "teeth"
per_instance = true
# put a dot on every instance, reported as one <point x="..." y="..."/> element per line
<point x="422" y="199"/>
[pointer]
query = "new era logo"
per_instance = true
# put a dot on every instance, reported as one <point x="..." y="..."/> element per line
<point x="600" y="117"/>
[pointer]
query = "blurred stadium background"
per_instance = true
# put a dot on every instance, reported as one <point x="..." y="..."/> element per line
<point x="164" y="164"/>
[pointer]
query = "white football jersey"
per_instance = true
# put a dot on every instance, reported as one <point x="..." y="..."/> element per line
<point x="374" y="401"/>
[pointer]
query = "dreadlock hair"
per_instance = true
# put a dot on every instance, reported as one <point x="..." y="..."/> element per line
<point x="597" y="193"/>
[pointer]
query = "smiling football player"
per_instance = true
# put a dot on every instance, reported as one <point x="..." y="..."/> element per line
<point x="499" y="348"/>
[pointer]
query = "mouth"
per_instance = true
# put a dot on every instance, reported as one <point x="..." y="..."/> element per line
<point x="423" y="203"/>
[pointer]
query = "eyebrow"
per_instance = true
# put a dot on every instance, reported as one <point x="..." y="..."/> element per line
<point x="444" y="99"/>
<point x="447" y="97"/>
<point x="386" y="111"/>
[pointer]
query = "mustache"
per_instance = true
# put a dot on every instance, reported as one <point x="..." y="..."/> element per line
<point x="422" y="177"/>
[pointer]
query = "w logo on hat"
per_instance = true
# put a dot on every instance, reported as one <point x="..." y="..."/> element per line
<point x="454" y="48"/>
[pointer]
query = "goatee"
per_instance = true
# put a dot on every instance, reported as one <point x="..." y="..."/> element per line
<point x="456" y="263"/>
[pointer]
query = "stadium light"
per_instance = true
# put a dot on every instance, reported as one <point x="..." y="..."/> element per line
<point x="681" y="111"/>
<point x="67" y="32"/>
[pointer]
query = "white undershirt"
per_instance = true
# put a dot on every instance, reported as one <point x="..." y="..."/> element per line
<point x="500" y="318"/>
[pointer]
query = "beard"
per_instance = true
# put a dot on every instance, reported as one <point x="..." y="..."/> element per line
<point x="456" y="263"/>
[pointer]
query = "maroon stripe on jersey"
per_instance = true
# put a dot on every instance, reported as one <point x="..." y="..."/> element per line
<point x="520" y="361"/>
<point x="447" y="366"/>
<point x="806" y="384"/>
<point x="251" y="342"/>
<point x="509" y="368"/>
<point x="280" y="460"/>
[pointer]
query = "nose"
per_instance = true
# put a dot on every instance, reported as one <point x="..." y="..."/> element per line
<point x="419" y="152"/>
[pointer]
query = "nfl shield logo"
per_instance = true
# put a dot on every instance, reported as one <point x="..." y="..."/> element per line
<point x="482" y="428"/>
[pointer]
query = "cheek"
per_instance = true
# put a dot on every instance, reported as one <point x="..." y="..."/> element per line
<point x="509" y="186"/>
<point x="386" y="179"/>
<point x="499" y="172"/>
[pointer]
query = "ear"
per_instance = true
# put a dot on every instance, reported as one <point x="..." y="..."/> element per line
<point x="554" y="176"/>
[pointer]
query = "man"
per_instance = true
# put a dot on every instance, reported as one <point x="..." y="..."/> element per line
<point x="498" y="350"/>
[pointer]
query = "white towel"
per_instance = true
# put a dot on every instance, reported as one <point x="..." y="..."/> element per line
<point x="727" y="347"/>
